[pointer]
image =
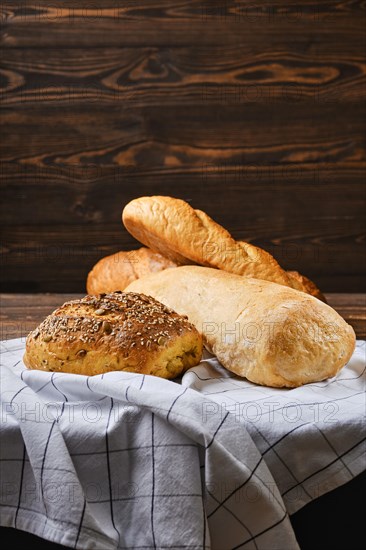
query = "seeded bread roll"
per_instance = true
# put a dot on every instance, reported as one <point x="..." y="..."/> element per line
<point x="114" y="332"/>
<point x="118" y="270"/>
<point x="270" y="334"/>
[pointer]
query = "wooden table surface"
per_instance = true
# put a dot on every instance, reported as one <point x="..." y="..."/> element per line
<point x="21" y="313"/>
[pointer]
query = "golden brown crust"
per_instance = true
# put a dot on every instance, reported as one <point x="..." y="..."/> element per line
<point x="298" y="281"/>
<point x="164" y="224"/>
<point x="270" y="334"/>
<point x="187" y="236"/>
<point x="118" y="270"/>
<point x="307" y="285"/>
<point x="112" y="332"/>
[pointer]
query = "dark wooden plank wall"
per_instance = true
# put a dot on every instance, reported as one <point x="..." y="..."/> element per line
<point x="252" y="111"/>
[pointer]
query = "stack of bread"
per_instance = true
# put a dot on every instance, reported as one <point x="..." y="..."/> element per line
<point x="263" y="323"/>
<point x="176" y="234"/>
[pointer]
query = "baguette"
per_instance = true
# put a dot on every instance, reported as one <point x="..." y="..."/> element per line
<point x="298" y="281"/>
<point x="270" y="334"/>
<point x="187" y="236"/>
<point x="307" y="285"/>
<point x="115" y="272"/>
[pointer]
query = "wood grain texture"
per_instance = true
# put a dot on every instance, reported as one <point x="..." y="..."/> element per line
<point x="22" y="313"/>
<point x="253" y="112"/>
<point x="246" y="73"/>
<point x="173" y="23"/>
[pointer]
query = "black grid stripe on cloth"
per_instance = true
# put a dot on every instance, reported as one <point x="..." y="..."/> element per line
<point x="153" y="479"/>
<point x="280" y="459"/>
<point x="109" y="471"/>
<point x="20" y="486"/>
<point x="326" y="466"/>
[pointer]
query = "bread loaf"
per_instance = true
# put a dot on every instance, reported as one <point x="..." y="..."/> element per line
<point x="113" y="332"/>
<point x="115" y="272"/>
<point x="306" y="285"/>
<point x="268" y="333"/>
<point x="187" y="236"/>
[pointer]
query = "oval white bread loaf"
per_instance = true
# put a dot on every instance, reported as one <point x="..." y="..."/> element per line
<point x="271" y="334"/>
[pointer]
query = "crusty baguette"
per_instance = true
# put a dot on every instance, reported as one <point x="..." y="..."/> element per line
<point x="307" y="285"/>
<point x="187" y="236"/>
<point x="270" y="334"/>
<point x="115" y="272"/>
<point x="298" y="281"/>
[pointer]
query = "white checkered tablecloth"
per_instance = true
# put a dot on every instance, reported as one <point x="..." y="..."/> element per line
<point x="123" y="460"/>
<point x="312" y="438"/>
